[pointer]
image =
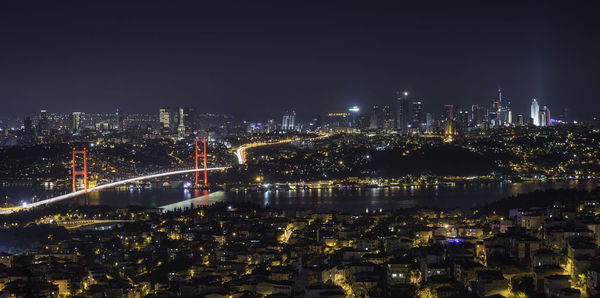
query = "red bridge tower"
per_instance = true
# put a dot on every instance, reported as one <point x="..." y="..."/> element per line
<point x="84" y="172"/>
<point x="203" y="140"/>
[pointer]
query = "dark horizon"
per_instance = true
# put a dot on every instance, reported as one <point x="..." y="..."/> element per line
<point x="255" y="60"/>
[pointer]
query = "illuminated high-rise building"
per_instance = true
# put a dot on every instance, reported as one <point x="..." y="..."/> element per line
<point x="43" y="125"/>
<point x="164" y="118"/>
<point x="542" y="119"/>
<point x="29" y="132"/>
<point x="448" y="114"/>
<point x="119" y="120"/>
<point x="416" y="114"/>
<point x="477" y="115"/>
<point x="76" y="119"/>
<point x="462" y="119"/>
<point x="535" y="112"/>
<point x="184" y="121"/>
<point x="375" y="118"/>
<point x="402" y="113"/>
<point x="363" y="121"/>
<point x="288" y="120"/>
<point x="429" y="119"/>
<point x="388" y="118"/>
<point x="520" y="120"/>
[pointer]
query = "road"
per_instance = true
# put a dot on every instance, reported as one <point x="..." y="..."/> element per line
<point x="75" y="224"/>
<point x="240" y="152"/>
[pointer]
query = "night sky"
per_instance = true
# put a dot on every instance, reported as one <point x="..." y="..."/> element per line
<point x="256" y="59"/>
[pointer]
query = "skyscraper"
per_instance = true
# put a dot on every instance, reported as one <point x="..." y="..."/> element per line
<point x="43" y="126"/>
<point x="402" y="112"/>
<point x="119" y="120"/>
<point x="477" y="115"/>
<point x="29" y="133"/>
<point x="448" y="112"/>
<point x="462" y="119"/>
<point x="375" y="118"/>
<point x="535" y="111"/>
<point x="520" y="120"/>
<point x="363" y="121"/>
<point x="416" y="114"/>
<point x="388" y="118"/>
<point x="288" y="120"/>
<point x="429" y="119"/>
<point x="76" y="121"/>
<point x="184" y="121"/>
<point x="164" y="118"/>
<point x="542" y="120"/>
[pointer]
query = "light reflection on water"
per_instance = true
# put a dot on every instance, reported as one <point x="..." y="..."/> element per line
<point x="351" y="200"/>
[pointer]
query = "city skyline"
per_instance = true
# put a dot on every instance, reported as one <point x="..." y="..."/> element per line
<point x="392" y="103"/>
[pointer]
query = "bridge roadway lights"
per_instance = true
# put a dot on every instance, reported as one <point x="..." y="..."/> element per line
<point x="84" y="172"/>
<point x="105" y="186"/>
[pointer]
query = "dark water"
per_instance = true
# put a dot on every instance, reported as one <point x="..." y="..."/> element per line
<point x="463" y="196"/>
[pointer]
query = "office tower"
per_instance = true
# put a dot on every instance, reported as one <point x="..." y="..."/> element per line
<point x="505" y="116"/>
<point x="164" y="118"/>
<point x="284" y="122"/>
<point x="535" y="112"/>
<point x="542" y="118"/>
<point x="28" y="133"/>
<point x="495" y="112"/>
<point x="27" y="124"/>
<point x="402" y="113"/>
<point x="416" y="115"/>
<point x="375" y="118"/>
<point x="119" y="120"/>
<point x="462" y="119"/>
<point x="185" y="121"/>
<point x="520" y="120"/>
<point x="363" y="121"/>
<point x="477" y="115"/>
<point x="448" y="114"/>
<point x="271" y="126"/>
<point x="429" y="119"/>
<point x="180" y="126"/>
<point x="388" y="118"/>
<point x="288" y="120"/>
<point x="76" y="119"/>
<point x="43" y="128"/>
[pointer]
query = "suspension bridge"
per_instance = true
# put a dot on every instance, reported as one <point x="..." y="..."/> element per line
<point x="83" y="172"/>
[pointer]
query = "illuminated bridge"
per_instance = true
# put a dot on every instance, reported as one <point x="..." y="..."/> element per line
<point x="83" y="173"/>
